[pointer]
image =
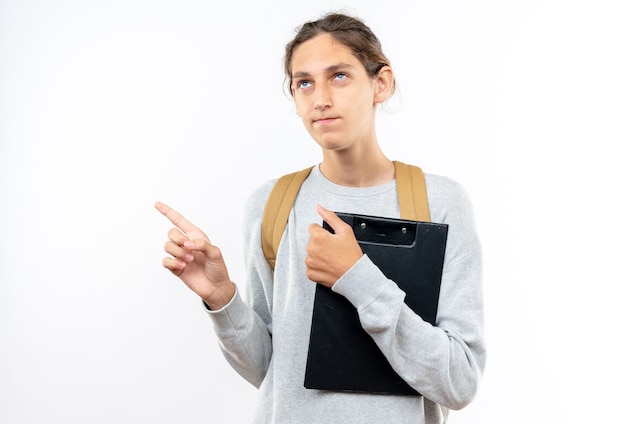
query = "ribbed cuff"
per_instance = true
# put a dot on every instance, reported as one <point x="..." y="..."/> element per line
<point x="363" y="283"/>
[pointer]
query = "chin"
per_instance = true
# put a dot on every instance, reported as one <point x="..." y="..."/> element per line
<point x="327" y="142"/>
<point x="331" y="146"/>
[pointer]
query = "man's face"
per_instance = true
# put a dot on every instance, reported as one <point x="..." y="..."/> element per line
<point x="334" y="96"/>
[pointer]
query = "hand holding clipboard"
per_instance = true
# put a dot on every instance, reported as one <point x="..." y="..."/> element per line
<point x="342" y="356"/>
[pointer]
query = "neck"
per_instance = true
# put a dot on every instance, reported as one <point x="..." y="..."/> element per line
<point x="365" y="170"/>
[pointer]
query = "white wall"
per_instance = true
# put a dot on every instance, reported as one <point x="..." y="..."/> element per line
<point x="106" y="107"/>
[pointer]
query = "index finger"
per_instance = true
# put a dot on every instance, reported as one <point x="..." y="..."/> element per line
<point x="176" y="218"/>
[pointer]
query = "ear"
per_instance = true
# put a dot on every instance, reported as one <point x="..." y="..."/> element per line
<point x="384" y="84"/>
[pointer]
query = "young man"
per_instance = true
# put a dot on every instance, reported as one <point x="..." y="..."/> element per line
<point x="338" y="76"/>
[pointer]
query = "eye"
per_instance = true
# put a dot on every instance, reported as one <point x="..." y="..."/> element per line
<point x="303" y="84"/>
<point x="341" y="76"/>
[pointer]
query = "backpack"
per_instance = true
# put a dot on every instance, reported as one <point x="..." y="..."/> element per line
<point x="411" y="196"/>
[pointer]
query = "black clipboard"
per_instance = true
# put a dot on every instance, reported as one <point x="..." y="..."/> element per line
<point x="341" y="355"/>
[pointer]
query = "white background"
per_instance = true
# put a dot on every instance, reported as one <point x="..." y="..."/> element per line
<point x="106" y="107"/>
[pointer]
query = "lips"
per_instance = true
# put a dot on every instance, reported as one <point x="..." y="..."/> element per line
<point x="324" y="121"/>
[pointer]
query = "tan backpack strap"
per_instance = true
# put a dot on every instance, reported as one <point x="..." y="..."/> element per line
<point x="412" y="192"/>
<point x="411" y="196"/>
<point x="277" y="210"/>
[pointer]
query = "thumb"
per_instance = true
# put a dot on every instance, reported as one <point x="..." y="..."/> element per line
<point x="199" y="244"/>
<point x="203" y="245"/>
<point x="331" y="218"/>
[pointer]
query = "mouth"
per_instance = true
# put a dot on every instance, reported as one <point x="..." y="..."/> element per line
<point x="324" y="121"/>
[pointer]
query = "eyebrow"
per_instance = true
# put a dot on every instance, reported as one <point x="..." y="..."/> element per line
<point x="331" y="69"/>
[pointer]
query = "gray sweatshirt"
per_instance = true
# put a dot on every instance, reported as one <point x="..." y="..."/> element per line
<point x="265" y="336"/>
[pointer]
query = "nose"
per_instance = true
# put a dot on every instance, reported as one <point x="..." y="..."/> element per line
<point x="322" y="99"/>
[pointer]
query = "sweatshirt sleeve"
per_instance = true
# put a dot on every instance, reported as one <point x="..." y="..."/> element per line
<point x="443" y="362"/>
<point x="244" y="326"/>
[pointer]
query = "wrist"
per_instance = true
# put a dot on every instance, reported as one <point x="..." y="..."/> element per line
<point x="220" y="297"/>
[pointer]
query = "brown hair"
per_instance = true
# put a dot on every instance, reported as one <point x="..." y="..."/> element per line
<point x="349" y="31"/>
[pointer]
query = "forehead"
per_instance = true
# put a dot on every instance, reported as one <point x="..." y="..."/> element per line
<point x="320" y="52"/>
